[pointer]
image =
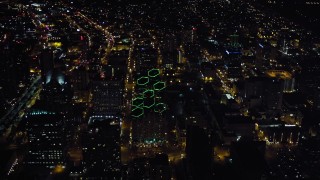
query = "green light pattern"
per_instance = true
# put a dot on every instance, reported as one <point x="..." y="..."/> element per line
<point x="143" y="81"/>
<point x="153" y="73"/>
<point x="159" y="86"/>
<point x="137" y="112"/>
<point x="160" y="107"/>
<point x="138" y="101"/>
<point x="147" y="97"/>
<point x="149" y="93"/>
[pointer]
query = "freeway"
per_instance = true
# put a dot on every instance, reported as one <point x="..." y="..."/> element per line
<point x="22" y="102"/>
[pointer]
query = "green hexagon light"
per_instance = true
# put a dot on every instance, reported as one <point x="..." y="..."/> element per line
<point x="149" y="93"/>
<point x="143" y="81"/>
<point x="160" y="107"/>
<point x="158" y="86"/>
<point x="138" y="102"/>
<point x="153" y="73"/>
<point x="148" y="87"/>
<point x="137" y="112"/>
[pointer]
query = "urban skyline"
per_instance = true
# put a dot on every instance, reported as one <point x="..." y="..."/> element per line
<point x="160" y="90"/>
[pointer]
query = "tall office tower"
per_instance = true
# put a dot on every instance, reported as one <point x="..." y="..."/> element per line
<point x="146" y="58"/>
<point x="289" y="85"/>
<point x="156" y="167"/>
<point x="149" y="122"/>
<point x="180" y="57"/>
<point x="8" y="78"/>
<point x="169" y="50"/>
<point x="149" y="130"/>
<point x="14" y="69"/>
<point x="117" y="65"/>
<point x="45" y="141"/>
<point x="170" y="42"/>
<point x="234" y="70"/>
<point x="80" y="78"/>
<point x="80" y="82"/>
<point x="263" y="51"/>
<point x="46" y="62"/>
<point x="254" y="87"/>
<point x="199" y="153"/>
<point x="101" y="149"/>
<point x="190" y="35"/>
<point x="234" y="40"/>
<point x="273" y="94"/>
<point x="193" y="54"/>
<point x="107" y="98"/>
<point x="309" y="78"/>
<point x="316" y="98"/>
<point x="101" y="142"/>
<point x="259" y="58"/>
<point x="56" y="88"/>
<point x="248" y="159"/>
<point x="254" y="91"/>
<point x="3" y="109"/>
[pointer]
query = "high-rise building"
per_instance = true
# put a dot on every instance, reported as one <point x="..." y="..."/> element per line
<point x="289" y="85"/>
<point x="199" y="153"/>
<point x="107" y="98"/>
<point x="101" y="149"/>
<point x="263" y="53"/>
<point x="262" y="91"/>
<point x="149" y="168"/>
<point x="80" y="81"/>
<point x="316" y="98"/>
<point x="234" y="70"/>
<point x="45" y="140"/>
<point x="180" y="57"/>
<point x="8" y="82"/>
<point x="273" y="94"/>
<point x="149" y="130"/>
<point x="234" y="40"/>
<point x="80" y="78"/>
<point x="148" y="111"/>
<point x="254" y="87"/>
<point x="248" y="159"/>
<point x="56" y="88"/>
<point x="146" y="57"/>
<point x="101" y="141"/>
<point x="46" y="62"/>
<point x="14" y="69"/>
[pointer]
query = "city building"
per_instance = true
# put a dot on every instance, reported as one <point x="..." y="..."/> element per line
<point x="46" y="62"/>
<point x="107" y="98"/>
<point x="101" y="148"/>
<point x="46" y="143"/>
<point x="273" y="94"/>
<point x="247" y="158"/>
<point x="199" y="153"/>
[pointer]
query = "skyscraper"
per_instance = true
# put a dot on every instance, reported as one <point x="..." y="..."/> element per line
<point x="46" y="62"/>
<point x="107" y="98"/>
<point x="101" y="140"/>
<point x="45" y="137"/>
<point x="198" y="153"/>
<point x="101" y="149"/>
<point x="273" y="94"/>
